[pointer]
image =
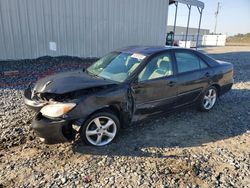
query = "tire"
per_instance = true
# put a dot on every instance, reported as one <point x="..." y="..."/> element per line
<point x="208" y="99"/>
<point x="100" y="129"/>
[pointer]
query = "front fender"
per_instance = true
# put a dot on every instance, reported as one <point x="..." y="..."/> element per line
<point x="117" y="100"/>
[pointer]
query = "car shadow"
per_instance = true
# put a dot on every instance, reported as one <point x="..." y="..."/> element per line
<point x="187" y="128"/>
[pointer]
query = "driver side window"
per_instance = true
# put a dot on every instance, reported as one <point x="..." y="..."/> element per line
<point x="159" y="66"/>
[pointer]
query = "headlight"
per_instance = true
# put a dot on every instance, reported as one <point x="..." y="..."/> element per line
<point x="57" y="109"/>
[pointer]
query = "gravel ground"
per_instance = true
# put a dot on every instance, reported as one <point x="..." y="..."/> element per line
<point x="184" y="149"/>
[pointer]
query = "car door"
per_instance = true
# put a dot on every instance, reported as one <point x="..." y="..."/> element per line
<point x="193" y="76"/>
<point x="155" y="90"/>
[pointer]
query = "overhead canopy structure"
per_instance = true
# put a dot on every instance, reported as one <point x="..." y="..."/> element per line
<point x="189" y="2"/>
<point x="200" y="6"/>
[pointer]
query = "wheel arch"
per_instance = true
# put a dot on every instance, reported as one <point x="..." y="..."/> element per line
<point x="114" y="108"/>
<point x="218" y="88"/>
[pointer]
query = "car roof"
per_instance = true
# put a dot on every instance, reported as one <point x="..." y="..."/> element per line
<point x="147" y="50"/>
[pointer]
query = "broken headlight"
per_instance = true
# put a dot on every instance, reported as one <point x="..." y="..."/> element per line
<point x="55" y="110"/>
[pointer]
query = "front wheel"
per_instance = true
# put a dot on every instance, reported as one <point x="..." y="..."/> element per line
<point x="208" y="99"/>
<point x="100" y="129"/>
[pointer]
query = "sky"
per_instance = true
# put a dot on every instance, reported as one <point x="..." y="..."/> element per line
<point x="233" y="18"/>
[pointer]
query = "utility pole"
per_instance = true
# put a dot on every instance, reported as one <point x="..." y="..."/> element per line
<point x="216" y="17"/>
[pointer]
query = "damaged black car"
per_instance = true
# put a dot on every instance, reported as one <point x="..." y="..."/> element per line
<point x="124" y="87"/>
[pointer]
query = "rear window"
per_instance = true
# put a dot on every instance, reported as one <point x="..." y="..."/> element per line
<point x="188" y="62"/>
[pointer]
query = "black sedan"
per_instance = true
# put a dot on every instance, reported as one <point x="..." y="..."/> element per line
<point x="123" y="87"/>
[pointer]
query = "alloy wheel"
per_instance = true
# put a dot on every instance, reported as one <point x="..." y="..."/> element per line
<point x="209" y="99"/>
<point x="101" y="131"/>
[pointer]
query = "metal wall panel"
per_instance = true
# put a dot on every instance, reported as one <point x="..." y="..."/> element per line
<point x="85" y="28"/>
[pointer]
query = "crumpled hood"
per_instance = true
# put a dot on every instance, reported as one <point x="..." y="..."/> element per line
<point x="68" y="81"/>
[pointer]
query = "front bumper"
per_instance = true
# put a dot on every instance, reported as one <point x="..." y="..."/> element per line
<point x="34" y="105"/>
<point x="52" y="131"/>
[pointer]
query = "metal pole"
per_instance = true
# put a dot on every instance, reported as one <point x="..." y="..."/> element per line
<point x="189" y="7"/>
<point x="176" y="10"/>
<point x="200" y="11"/>
<point x="216" y="17"/>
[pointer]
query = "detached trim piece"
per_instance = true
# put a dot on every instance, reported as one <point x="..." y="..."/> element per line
<point x="35" y="105"/>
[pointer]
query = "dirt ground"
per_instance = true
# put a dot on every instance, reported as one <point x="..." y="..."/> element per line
<point x="184" y="149"/>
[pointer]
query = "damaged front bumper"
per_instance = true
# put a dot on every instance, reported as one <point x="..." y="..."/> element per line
<point x="34" y="105"/>
<point x="50" y="131"/>
<point x="53" y="131"/>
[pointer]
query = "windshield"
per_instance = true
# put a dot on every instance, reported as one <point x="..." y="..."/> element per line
<point x="116" y="66"/>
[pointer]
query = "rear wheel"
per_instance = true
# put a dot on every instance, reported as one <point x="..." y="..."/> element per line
<point x="100" y="129"/>
<point x="208" y="99"/>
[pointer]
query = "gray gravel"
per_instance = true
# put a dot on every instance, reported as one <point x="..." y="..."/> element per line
<point x="184" y="149"/>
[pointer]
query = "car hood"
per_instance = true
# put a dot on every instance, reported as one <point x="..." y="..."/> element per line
<point x="69" y="81"/>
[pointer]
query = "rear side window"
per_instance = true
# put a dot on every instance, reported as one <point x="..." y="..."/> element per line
<point x="188" y="62"/>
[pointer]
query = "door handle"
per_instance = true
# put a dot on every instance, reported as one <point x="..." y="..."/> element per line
<point x="171" y="83"/>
